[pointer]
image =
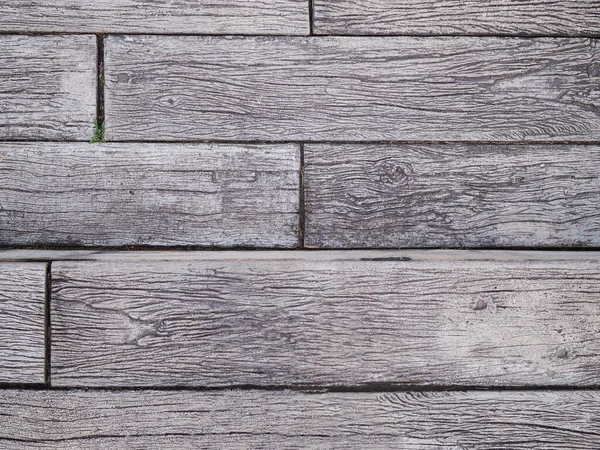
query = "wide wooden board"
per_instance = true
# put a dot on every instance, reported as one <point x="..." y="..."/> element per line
<point x="377" y="196"/>
<point x="458" y="17"/>
<point x="352" y="88"/>
<point x="22" y="306"/>
<point x="150" y="16"/>
<point x="149" y="194"/>
<point x="304" y="318"/>
<point x="148" y="419"/>
<point x="47" y="87"/>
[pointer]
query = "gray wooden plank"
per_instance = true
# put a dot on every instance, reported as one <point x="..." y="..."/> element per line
<point x="22" y="341"/>
<point x="303" y="318"/>
<point x="458" y="17"/>
<point x="148" y="419"/>
<point x="150" y="16"/>
<point x="377" y="196"/>
<point x="37" y="255"/>
<point x="352" y="89"/>
<point x="47" y="87"/>
<point x="149" y="194"/>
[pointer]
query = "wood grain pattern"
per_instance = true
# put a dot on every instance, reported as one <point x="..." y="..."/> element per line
<point x="377" y="196"/>
<point x="22" y="300"/>
<point x="458" y="17"/>
<point x="352" y="89"/>
<point x="47" y="87"/>
<point x="149" y="419"/>
<point x="149" y="194"/>
<point x="151" y="16"/>
<point x="304" y="318"/>
<point x="41" y="255"/>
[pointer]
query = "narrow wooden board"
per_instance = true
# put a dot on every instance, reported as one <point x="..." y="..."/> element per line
<point x="22" y="306"/>
<point x="352" y="89"/>
<point x="148" y="419"/>
<point x="37" y="255"/>
<point x="150" y="16"/>
<point x="149" y="194"/>
<point x="377" y="196"/>
<point x="458" y="17"/>
<point x="47" y="87"/>
<point x="301" y="318"/>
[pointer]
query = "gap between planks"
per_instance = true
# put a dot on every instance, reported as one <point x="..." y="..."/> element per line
<point x="48" y="327"/>
<point x="100" y="84"/>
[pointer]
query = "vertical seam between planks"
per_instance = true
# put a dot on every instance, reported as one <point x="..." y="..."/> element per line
<point x="301" y="208"/>
<point x="311" y="16"/>
<point x="100" y="82"/>
<point x="48" y="327"/>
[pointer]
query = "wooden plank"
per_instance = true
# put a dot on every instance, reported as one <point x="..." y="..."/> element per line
<point x="37" y="255"/>
<point x="149" y="194"/>
<point x="303" y="318"/>
<point x="148" y="419"/>
<point x="458" y="17"/>
<point x="352" y="89"/>
<point x="150" y="16"/>
<point x="47" y="87"/>
<point x="22" y="300"/>
<point x="377" y="196"/>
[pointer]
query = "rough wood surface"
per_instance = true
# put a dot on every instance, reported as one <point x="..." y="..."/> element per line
<point x="149" y="419"/>
<point x="47" y="87"/>
<point x="455" y="17"/>
<point x="151" y="16"/>
<point x="352" y="89"/>
<point x="451" y="195"/>
<point x="302" y="318"/>
<point x="149" y="194"/>
<point x="17" y="255"/>
<point x="22" y="300"/>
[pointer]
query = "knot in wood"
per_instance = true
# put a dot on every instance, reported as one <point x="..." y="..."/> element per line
<point x="394" y="173"/>
<point x="480" y="305"/>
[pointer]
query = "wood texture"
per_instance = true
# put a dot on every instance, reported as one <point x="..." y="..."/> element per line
<point x="151" y="16"/>
<point x="47" y="87"/>
<point x="149" y="194"/>
<point x="352" y="89"/>
<point x="305" y="318"/>
<point x="261" y="419"/>
<point x="22" y="300"/>
<point x="458" y="17"/>
<point x="41" y="255"/>
<point x="451" y="196"/>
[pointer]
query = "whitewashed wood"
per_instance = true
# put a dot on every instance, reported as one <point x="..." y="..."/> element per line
<point x="458" y="17"/>
<point x="150" y="16"/>
<point x="451" y="195"/>
<point x="352" y="89"/>
<point x="304" y="319"/>
<point x="22" y="300"/>
<point x="47" y="87"/>
<point x="149" y="194"/>
<point x="148" y="419"/>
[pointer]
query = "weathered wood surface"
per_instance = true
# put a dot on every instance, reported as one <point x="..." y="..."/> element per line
<point x="22" y="300"/>
<point x="358" y="318"/>
<point x="18" y="255"/>
<point x="150" y="16"/>
<point x="357" y="89"/>
<point x="149" y="419"/>
<point x="149" y="194"/>
<point x="47" y="87"/>
<point x="451" y="195"/>
<point x="458" y="17"/>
